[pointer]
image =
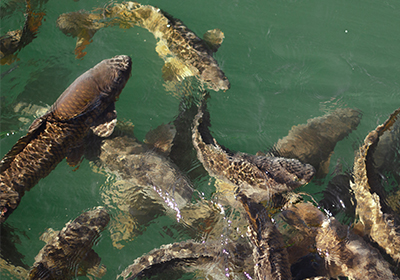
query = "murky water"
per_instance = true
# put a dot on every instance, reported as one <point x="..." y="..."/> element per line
<point x="287" y="61"/>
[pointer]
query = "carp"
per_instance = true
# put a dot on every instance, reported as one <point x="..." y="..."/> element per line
<point x="87" y="104"/>
<point x="171" y="255"/>
<point x="188" y="256"/>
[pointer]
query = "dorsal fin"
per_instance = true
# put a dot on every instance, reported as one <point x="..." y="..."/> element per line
<point x="49" y="235"/>
<point x="214" y="38"/>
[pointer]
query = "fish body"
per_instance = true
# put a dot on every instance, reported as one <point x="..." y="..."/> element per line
<point x="377" y="220"/>
<point x="148" y="184"/>
<point x="315" y="141"/>
<point x="170" y="255"/>
<point x="260" y="176"/>
<point x="69" y="253"/>
<point x="190" y="255"/>
<point x="176" y="40"/>
<point x="184" y="53"/>
<point x="88" y="103"/>
<point x="271" y="259"/>
<point x="15" y="40"/>
<point x="344" y="252"/>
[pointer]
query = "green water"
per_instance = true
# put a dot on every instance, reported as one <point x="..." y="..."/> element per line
<point x="287" y="61"/>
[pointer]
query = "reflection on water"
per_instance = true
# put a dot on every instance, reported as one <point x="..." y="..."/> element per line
<point x="295" y="69"/>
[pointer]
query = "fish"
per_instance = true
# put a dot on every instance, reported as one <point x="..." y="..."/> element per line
<point x="146" y="183"/>
<point x="87" y="104"/>
<point x="82" y="25"/>
<point x="11" y="260"/>
<point x="171" y="255"/>
<point x="187" y="255"/>
<point x="315" y="141"/>
<point x="15" y="40"/>
<point x="377" y="220"/>
<point x="184" y="53"/>
<point x="68" y="253"/>
<point x="259" y="177"/>
<point x="348" y="254"/>
<point x="344" y="252"/>
<point x="271" y="260"/>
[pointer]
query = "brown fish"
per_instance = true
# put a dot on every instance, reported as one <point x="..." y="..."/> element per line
<point x="271" y="260"/>
<point x="259" y="176"/>
<point x="184" y="53"/>
<point x="345" y="253"/>
<point x="88" y="103"/>
<point x="315" y="141"/>
<point x="188" y="255"/>
<point x="15" y="40"/>
<point x="70" y="252"/>
<point x="377" y="220"/>
<point x="171" y="255"/>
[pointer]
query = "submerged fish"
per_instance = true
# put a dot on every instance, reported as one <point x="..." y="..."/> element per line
<point x="147" y="184"/>
<point x="315" y="141"/>
<point x="171" y="255"/>
<point x="344" y="252"/>
<point x="260" y="177"/>
<point x="271" y="259"/>
<point x="11" y="260"/>
<point x="188" y="256"/>
<point x="183" y="52"/>
<point x="377" y="219"/>
<point x="88" y="103"/>
<point x="69" y="253"/>
<point x="15" y="40"/>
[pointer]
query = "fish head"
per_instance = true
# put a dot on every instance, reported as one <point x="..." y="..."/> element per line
<point x="96" y="89"/>
<point x="215" y="78"/>
<point x="111" y="75"/>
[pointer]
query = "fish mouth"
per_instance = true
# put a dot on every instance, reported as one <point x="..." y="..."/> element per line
<point x="122" y="62"/>
<point x="121" y="65"/>
<point x="224" y="84"/>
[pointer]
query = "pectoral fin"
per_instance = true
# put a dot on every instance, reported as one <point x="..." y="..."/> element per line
<point x="161" y="138"/>
<point x="214" y="38"/>
<point x="105" y="124"/>
<point x="84" y="39"/>
<point x="75" y="156"/>
<point x="91" y="265"/>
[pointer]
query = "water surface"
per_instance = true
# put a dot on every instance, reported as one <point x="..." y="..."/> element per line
<point x="287" y="61"/>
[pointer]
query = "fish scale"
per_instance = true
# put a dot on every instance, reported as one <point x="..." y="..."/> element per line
<point x="60" y="132"/>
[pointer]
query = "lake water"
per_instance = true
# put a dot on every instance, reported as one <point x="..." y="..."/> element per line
<point x="287" y="61"/>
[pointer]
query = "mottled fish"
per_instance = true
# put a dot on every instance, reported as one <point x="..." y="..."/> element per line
<point x="69" y="253"/>
<point x="184" y="53"/>
<point x="256" y="176"/>
<point x="315" y="141"/>
<point x="344" y="252"/>
<point x="188" y="255"/>
<point x="270" y="256"/>
<point x="15" y="40"/>
<point x="377" y="220"/>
